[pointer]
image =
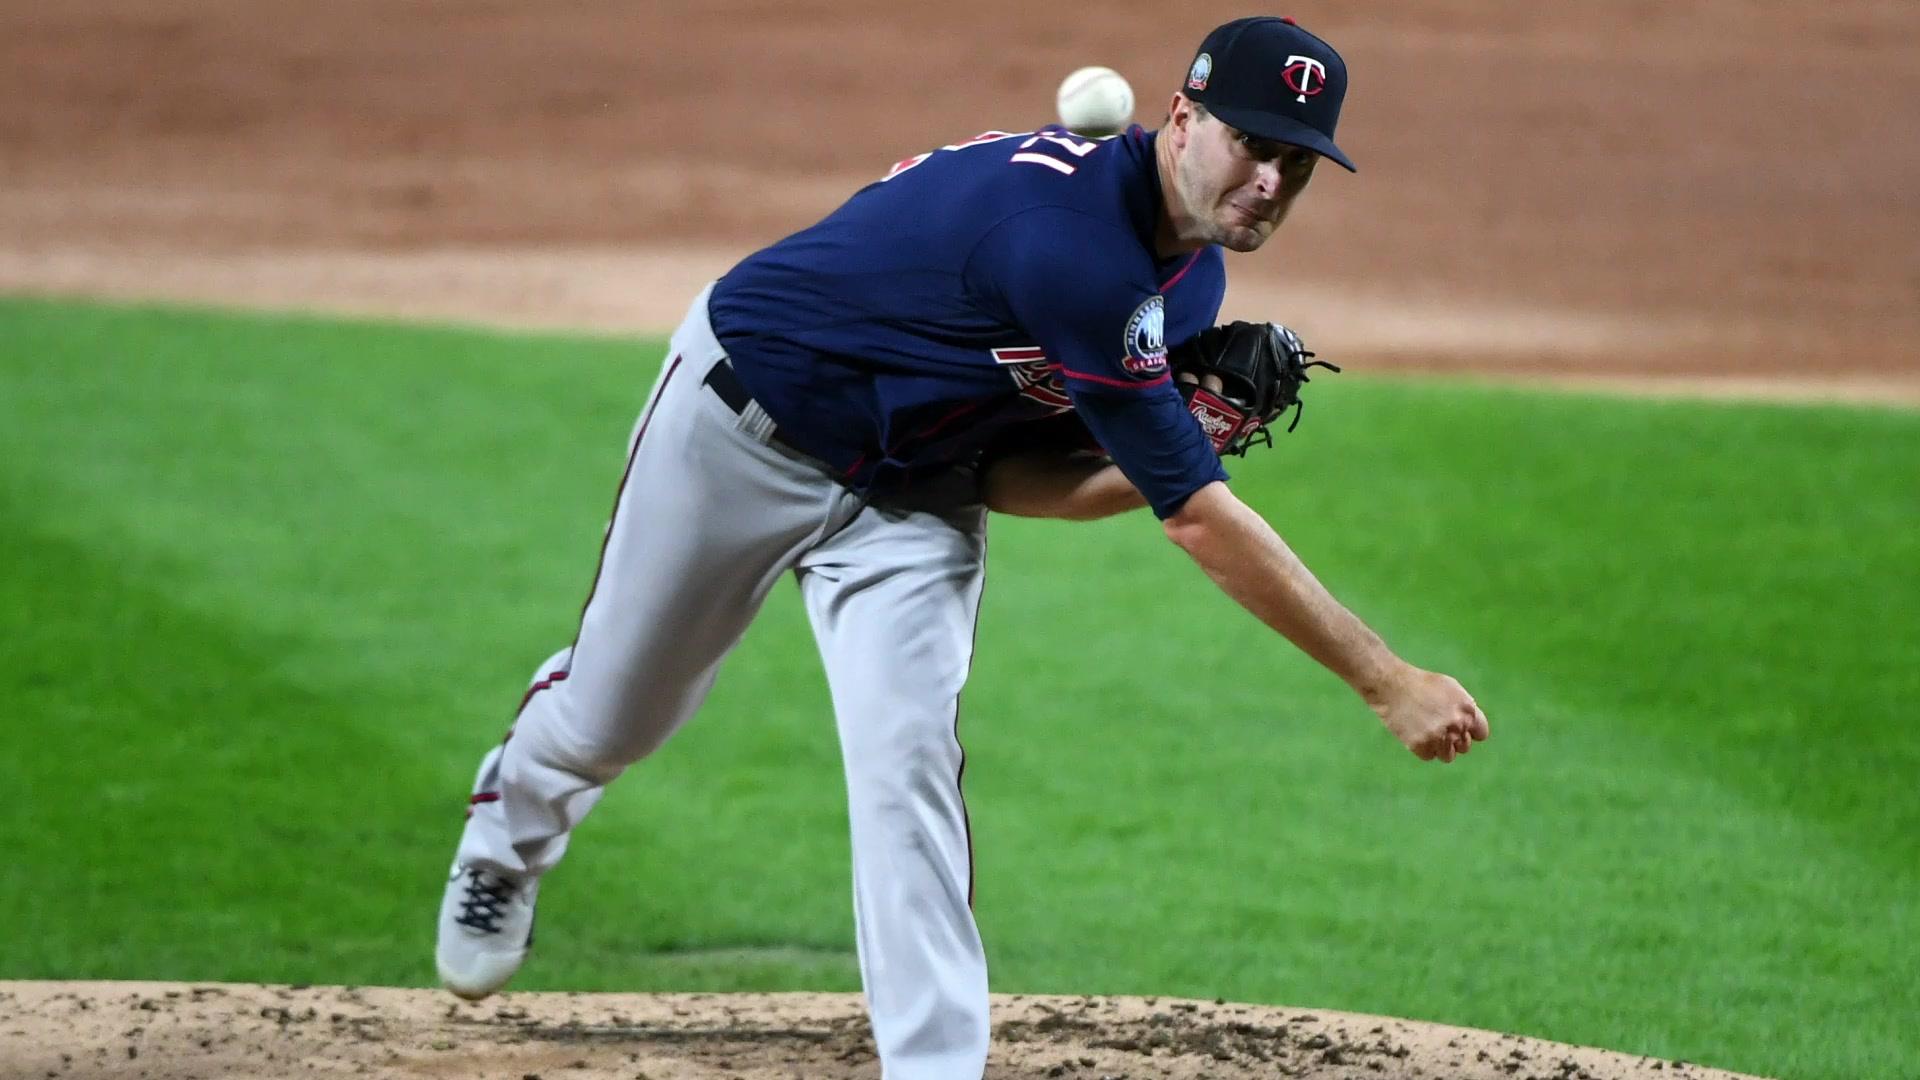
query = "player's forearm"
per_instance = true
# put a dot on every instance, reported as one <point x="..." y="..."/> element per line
<point x="1251" y="563"/>
<point x="1058" y="486"/>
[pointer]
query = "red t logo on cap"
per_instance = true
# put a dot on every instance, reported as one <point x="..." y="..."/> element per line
<point x="1305" y="76"/>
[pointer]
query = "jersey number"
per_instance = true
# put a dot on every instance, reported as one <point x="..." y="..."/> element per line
<point x="1024" y="155"/>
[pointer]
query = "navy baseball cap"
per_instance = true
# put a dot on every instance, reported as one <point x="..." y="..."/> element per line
<point x="1267" y="77"/>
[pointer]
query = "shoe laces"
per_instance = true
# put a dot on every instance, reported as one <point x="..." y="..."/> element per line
<point x="485" y="902"/>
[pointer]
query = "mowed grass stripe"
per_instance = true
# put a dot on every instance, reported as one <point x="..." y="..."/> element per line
<point x="372" y="534"/>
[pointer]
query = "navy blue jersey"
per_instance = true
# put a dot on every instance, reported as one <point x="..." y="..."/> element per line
<point x="976" y="288"/>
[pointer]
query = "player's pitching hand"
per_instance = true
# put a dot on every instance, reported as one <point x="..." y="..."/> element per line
<point x="1430" y="713"/>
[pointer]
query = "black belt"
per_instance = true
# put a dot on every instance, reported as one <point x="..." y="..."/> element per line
<point x="726" y="386"/>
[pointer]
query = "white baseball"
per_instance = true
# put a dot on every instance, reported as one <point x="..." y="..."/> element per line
<point x="1095" y="101"/>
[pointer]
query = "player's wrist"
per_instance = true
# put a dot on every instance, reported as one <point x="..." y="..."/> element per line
<point x="1376" y="676"/>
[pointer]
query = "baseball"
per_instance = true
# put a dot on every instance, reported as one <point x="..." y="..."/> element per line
<point x="1095" y="101"/>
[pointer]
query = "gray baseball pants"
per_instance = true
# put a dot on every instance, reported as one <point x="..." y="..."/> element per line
<point x="710" y="514"/>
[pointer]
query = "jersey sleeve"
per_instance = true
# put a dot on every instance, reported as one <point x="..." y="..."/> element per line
<point x="1084" y="289"/>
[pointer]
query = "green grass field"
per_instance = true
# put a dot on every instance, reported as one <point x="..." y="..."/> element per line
<point x="268" y="588"/>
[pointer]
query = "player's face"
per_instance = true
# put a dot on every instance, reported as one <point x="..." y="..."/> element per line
<point x="1236" y="187"/>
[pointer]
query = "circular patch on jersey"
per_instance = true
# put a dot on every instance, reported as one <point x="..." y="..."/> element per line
<point x="1200" y="72"/>
<point x="1147" y="339"/>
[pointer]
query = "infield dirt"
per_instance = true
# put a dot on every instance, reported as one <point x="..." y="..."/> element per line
<point x="1718" y="193"/>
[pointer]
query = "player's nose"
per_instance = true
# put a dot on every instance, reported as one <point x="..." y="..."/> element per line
<point x="1266" y="179"/>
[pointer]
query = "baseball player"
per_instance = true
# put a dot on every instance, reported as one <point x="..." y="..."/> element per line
<point x="984" y="328"/>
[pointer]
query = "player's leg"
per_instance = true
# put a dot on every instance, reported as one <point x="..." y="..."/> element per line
<point x="893" y="599"/>
<point x="699" y="535"/>
<point x="707" y="518"/>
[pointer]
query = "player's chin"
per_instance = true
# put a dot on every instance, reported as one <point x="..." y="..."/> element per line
<point x="1245" y="238"/>
<point x="1237" y="228"/>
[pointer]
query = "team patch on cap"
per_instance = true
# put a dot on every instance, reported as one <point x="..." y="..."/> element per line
<point x="1200" y="72"/>
<point x="1147" y="339"/>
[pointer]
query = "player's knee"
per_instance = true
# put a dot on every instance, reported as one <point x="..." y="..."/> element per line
<point x="904" y="753"/>
<point x="607" y="749"/>
<point x="554" y="734"/>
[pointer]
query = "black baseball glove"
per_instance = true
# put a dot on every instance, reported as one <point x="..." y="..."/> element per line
<point x="1258" y="369"/>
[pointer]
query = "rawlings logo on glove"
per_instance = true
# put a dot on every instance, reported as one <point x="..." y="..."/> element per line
<point x="1237" y="379"/>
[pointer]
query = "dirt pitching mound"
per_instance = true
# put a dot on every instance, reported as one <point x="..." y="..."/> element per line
<point x="178" y="1031"/>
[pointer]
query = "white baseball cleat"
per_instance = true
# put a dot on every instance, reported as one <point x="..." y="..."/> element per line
<point x="486" y="926"/>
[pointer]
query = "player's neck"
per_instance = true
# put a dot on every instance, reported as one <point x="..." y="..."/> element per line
<point x="1173" y="227"/>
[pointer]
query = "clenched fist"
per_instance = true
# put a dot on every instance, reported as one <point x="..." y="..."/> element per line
<point x="1430" y="713"/>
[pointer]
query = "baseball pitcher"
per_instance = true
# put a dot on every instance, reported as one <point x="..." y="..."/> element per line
<point x="1020" y="322"/>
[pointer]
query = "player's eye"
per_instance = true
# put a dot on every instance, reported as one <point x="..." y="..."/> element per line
<point x="1258" y="148"/>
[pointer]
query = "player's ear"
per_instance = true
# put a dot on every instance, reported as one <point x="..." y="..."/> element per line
<point x="1180" y="117"/>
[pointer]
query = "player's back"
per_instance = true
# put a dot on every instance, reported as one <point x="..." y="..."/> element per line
<point x="862" y="330"/>
<point x="880" y="282"/>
